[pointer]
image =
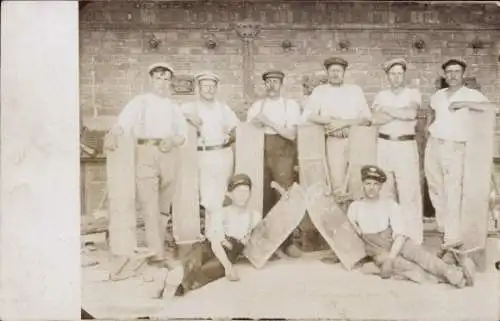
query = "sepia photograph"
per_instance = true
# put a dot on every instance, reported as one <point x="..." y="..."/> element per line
<point x="288" y="159"/>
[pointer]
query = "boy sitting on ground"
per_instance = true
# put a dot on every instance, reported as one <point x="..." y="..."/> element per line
<point x="227" y="233"/>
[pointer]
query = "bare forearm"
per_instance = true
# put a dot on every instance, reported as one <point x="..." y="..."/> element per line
<point x="381" y="118"/>
<point x="405" y="114"/>
<point x="320" y="120"/>
<point x="220" y="254"/>
<point x="397" y="245"/>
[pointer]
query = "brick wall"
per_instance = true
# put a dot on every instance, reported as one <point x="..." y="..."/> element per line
<point x="114" y="47"/>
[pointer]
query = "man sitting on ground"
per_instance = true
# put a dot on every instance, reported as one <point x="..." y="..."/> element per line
<point x="379" y="222"/>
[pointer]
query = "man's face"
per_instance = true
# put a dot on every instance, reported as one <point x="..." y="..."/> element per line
<point x="240" y="195"/>
<point x="161" y="80"/>
<point x="208" y="89"/>
<point x="273" y="86"/>
<point x="454" y="75"/>
<point x="371" y="188"/>
<point x="396" y="76"/>
<point x="335" y="74"/>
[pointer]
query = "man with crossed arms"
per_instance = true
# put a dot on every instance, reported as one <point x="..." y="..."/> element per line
<point x="395" y="112"/>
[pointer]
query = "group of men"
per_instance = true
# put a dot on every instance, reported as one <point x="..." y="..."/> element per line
<point x="159" y="125"/>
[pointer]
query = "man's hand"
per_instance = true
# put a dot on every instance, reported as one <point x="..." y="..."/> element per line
<point x="265" y="120"/>
<point x="166" y="145"/>
<point x="457" y="105"/>
<point x="194" y="120"/>
<point x="226" y="244"/>
<point x="110" y="141"/>
<point x="386" y="270"/>
<point x="178" y="140"/>
<point x="364" y="122"/>
<point x="231" y="274"/>
<point x="257" y="123"/>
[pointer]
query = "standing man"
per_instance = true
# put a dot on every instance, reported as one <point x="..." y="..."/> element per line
<point x="215" y="123"/>
<point x="395" y="111"/>
<point x="279" y="116"/>
<point x="337" y="106"/>
<point x="159" y="127"/>
<point x="445" y="150"/>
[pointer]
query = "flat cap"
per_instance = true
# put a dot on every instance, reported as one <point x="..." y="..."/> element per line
<point x="273" y="74"/>
<point x="160" y="65"/>
<point x="207" y="75"/>
<point x="335" y="61"/>
<point x="237" y="180"/>
<point x="373" y="172"/>
<point x="454" y="61"/>
<point x="396" y="61"/>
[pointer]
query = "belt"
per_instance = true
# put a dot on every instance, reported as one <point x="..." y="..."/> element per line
<point x="149" y="142"/>
<point x="342" y="136"/>
<point x="213" y="147"/>
<point x="397" y="138"/>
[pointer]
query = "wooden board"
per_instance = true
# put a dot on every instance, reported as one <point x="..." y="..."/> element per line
<point x="186" y="203"/>
<point x="280" y="222"/>
<point x="334" y="226"/>
<point x="362" y="151"/>
<point x="312" y="155"/>
<point x="250" y="160"/>
<point x="478" y="167"/>
<point x="120" y="171"/>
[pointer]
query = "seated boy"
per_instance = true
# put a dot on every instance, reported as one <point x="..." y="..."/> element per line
<point x="227" y="233"/>
<point x="380" y="223"/>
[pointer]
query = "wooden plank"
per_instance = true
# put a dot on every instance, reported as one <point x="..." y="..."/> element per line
<point x="120" y="171"/>
<point x="334" y="226"/>
<point x="250" y="161"/>
<point x="186" y="203"/>
<point x="280" y="222"/>
<point x="362" y="151"/>
<point x="476" y="181"/>
<point x="312" y="155"/>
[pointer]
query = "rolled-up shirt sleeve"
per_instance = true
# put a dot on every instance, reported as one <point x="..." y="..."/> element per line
<point x="128" y="116"/>
<point x="313" y="105"/>
<point x="476" y="96"/>
<point x="416" y="96"/>
<point x="352" y="213"/>
<point x="230" y="117"/>
<point x="294" y="117"/>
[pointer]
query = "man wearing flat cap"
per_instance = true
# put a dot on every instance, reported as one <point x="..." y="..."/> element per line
<point x="445" y="150"/>
<point x="337" y="106"/>
<point x="381" y="225"/>
<point x="159" y="127"/>
<point x="215" y="122"/>
<point x="395" y="112"/>
<point x="279" y="116"/>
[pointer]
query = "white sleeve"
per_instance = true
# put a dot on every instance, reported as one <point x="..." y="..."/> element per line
<point x="129" y="114"/>
<point x="365" y="111"/>
<point x="230" y="117"/>
<point x="313" y="105"/>
<point x="377" y="101"/>
<point x="253" y="111"/>
<point x="416" y="96"/>
<point x="352" y="213"/>
<point x="294" y="117"/>
<point x="180" y="123"/>
<point x="476" y="96"/>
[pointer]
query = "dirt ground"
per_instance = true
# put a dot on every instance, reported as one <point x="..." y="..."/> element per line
<point x="302" y="288"/>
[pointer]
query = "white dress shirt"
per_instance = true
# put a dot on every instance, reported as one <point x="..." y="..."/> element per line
<point x="401" y="100"/>
<point x="448" y="125"/>
<point x="283" y="112"/>
<point x="343" y="102"/>
<point x="218" y="120"/>
<point x="376" y="216"/>
<point x="151" y="116"/>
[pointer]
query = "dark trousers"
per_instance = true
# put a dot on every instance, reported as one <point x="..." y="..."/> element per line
<point x="201" y="266"/>
<point x="279" y="160"/>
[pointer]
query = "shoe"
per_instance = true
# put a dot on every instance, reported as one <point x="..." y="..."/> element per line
<point x="448" y="258"/>
<point x="330" y="259"/>
<point x="172" y="282"/>
<point x="455" y="277"/>
<point x="468" y="268"/>
<point x="293" y="252"/>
